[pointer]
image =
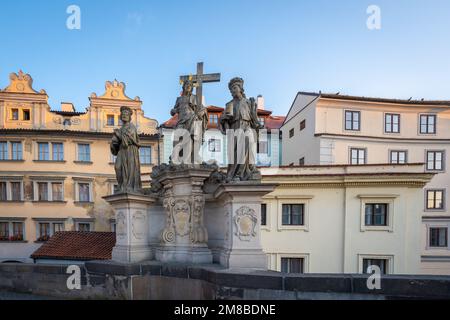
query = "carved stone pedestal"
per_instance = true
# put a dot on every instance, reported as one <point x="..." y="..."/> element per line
<point x="184" y="237"/>
<point x="237" y="220"/>
<point x="131" y="227"/>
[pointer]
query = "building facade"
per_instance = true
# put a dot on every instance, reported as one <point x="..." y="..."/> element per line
<point x="55" y="166"/>
<point x="330" y="129"/>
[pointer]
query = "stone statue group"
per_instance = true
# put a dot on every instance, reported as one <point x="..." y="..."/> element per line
<point x="239" y="122"/>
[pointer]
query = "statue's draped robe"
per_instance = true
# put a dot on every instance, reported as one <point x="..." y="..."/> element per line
<point x="241" y="114"/>
<point x="192" y="118"/>
<point x="125" y="146"/>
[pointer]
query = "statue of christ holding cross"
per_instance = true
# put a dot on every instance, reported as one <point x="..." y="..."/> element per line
<point x="192" y="115"/>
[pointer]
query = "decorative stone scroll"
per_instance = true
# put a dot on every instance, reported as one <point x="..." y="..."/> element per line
<point x="184" y="218"/>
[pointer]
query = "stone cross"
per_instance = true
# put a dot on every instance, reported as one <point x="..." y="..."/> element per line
<point x="198" y="80"/>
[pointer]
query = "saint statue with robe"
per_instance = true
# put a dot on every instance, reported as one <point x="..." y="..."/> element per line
<point x="193" y="118"/>
<point x="240" y="123"/>
<point x="125" y="145"/>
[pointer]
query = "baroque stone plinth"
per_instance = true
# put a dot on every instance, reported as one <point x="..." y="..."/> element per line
<point x="184" y="237"/>
<point x="238" y="215"/>
<point x="131" y="227"/>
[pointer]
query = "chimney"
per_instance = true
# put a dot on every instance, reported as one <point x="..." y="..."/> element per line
<point x="260" y="102"/>
<point x="67" y="107"/>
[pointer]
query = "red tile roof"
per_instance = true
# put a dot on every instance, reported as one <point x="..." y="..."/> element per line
<point x="77" y="245"/>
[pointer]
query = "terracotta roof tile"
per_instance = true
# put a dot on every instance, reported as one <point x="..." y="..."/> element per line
<point x="77" y="245"/>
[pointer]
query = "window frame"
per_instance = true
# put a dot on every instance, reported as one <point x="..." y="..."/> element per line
<point x="303" y="125"/>
<point x="388" y="199"/>
<point x="351" y="156"/>
<point x="391" y="152"/>
<point x="373" y="215"/>
<point x="298" y="199"/>
<point x="352" y="121"/>
<point x="141" y="156"/>
<point x="430" y="246"/>
<point x="304" y="256"/>
<point x="84" y="144"/>
<point x="50" y="196"/>
<point x="443" y="159"/>
<point x="77" y="191"/>
<point x="10" y="229"/>
<point x="217" y="142"/>
<point x="444" y="198"/>
<point x="428" y="115"/>
<point x="291" y="133"/>
<point x="8" y="189"/>
<point x="392" y="115"/>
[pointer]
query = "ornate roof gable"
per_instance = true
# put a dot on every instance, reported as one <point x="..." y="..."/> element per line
<point x="21" y="83"/>
<point x="115" y="90"/>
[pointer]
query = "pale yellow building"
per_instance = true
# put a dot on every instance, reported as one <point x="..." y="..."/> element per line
<point x="332" y="129"/>
<point x="55" y="166"/>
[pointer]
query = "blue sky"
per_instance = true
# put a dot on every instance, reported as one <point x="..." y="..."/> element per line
<point x="278" y="47"/>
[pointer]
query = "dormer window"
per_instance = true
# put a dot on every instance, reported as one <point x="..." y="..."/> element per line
<point x="213" y="119"/>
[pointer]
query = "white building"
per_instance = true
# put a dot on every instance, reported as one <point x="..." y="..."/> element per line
<point x="331" y="129"/>
<point x="323" y="219"/>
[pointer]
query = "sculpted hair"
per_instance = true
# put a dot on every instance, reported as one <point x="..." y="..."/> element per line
<point x="239" y="82"/>
<point x="127" y="109"/>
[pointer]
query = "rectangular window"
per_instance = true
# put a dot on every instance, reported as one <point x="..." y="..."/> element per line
<point x="58" y="151"/>
<point x="214" y="145"/>
<point x="84" y="152"/>
<point x="57" y="227"/>
<point x="44" y="231"/>
<point x="261" y="121"/>
<point x="398" y="157"/>
<point x="291" y="133"/>
<point x="16" y="192"/>
<point x="26" y="115"/>
<point x="435" y="199"/>
<point x="380" y="263"/>
<point x="302" y="125"/>
<point x="16" y="150"/>
<point x="17" y="228"/>
<point x="3" y="192"/>
<point x="263" y="214"/>
<point x="145" y="155"/>
<point x="435" y="160"/>
<point x="357" y="156"/>
<point x="85" y="227"/>
<point x="43" y="151"/>
<point x="263" y="147"/>
<point x="376" y="214"/>
<point x="293" y="214"/>
<point x="439" y="237"/>
<point x="4" y="150"/>
<point x="110" y="120"/>
<point x="352" y="120"/>
<point x="427" y="123"/>
<point x="57" y="191"/>
<point x="292" y="265"/>
<point x="15" y="114"/>
<point x="213" y="119"/>
<point x="42" y="191"/>
<point x="84" y="192"/>
<point x="4" y="231"/>
<point x="391" y="123"/>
